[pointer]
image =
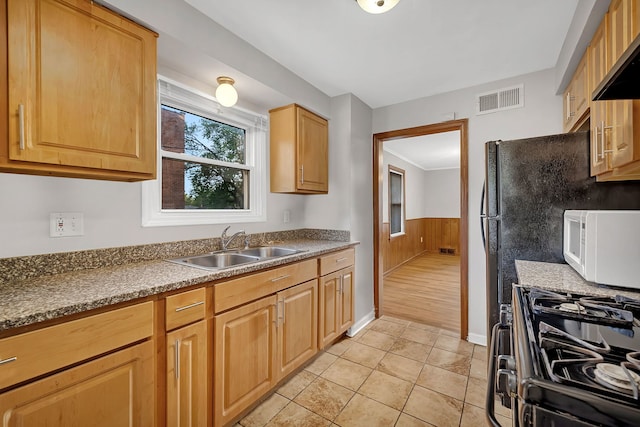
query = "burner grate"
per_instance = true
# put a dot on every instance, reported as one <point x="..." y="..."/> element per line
<point x="570" y="360"/>
<point x="591" y="309"/>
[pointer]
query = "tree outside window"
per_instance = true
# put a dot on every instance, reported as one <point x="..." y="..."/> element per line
<point x="209" y="169"/>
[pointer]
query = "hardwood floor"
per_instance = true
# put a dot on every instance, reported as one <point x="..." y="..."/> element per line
<point x="425" y="289"/>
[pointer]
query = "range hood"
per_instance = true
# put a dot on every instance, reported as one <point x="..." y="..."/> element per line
<point x="623" y="81"/>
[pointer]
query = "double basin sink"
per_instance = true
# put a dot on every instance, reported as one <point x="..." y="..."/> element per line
<point x="233" y="257"/>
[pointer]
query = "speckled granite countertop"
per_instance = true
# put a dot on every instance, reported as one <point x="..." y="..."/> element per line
<point x="563" y="278"/>
<point x="35" y="299"/>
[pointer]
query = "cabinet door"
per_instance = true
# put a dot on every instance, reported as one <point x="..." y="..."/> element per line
<point x="187" y="376"/>
<point x="245" y="340"/>
<point x="114" y="390"/>
<point x="621" y="27"/>
<point x="598" y="69"/>
<point x="82" y="93"/>
<point x="576" y="97"/>
<point x="620" y="126"/>
<point x="329" y="308"/>
<point x="346" y="299"/>
<point x="313" y="160"/>
<point x="619" y="123"/>
<point x="298" y="326"/>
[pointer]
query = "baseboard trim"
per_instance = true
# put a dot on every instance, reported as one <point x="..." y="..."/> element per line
<point x="477" y="339"/>
<point x="360" y="324"/>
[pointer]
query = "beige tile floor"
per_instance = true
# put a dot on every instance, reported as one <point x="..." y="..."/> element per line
<point x="392" y="373"/>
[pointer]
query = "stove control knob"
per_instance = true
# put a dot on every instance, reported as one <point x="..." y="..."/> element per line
<point x="507" y="382"/>
<point x="506" y="362"/>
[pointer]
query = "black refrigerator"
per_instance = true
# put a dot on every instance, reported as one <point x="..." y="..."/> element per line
<point x="529" y="184"/>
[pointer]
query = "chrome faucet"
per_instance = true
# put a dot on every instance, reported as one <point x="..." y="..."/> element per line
<point x="225" y="241"/>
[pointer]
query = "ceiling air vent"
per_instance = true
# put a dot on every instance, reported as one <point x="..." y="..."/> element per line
<point x="498" y="100"/>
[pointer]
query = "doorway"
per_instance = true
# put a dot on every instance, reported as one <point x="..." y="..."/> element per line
<point x="378" y="141"/>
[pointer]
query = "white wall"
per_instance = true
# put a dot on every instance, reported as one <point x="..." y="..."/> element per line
<point x="541" y="115"/>
<point x="441" y="191"/>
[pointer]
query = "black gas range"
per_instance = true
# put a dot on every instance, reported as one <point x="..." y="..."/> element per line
<point x="566" y="360"/>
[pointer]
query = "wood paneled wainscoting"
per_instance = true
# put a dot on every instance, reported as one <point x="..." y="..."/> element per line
<point x="438" y="235"/>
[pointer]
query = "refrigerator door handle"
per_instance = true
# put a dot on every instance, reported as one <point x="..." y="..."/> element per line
<point x="483" y="217"/>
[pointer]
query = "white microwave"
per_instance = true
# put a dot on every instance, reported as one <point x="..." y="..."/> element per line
<point x="604" y="246"/>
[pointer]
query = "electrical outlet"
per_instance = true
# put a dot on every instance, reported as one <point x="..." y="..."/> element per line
<point x="63" y="224"/>
<point x="286" y="217"/>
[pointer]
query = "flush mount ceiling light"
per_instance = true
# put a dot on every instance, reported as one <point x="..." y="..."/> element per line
<point x="377" y="6"/>
<point x="226" y="94"/>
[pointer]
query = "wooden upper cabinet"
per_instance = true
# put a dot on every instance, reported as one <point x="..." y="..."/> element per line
<point x="576" y="97"/>
<point x="615" y="125"/>
<point x="81" y="92"/>
<point x="622" y="27"/>
<point x="299" y="142"/>
<point x="597" y="71"/>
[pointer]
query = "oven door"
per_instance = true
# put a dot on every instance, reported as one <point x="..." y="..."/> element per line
<point x="501" y="382"/>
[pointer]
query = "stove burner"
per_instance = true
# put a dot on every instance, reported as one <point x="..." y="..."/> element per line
<point x="616" y="377"/>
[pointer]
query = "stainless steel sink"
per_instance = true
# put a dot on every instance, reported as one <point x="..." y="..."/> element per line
<point x="216" y="260"/>
<point x="268" y="251"/>
<point x="233" y="257"/>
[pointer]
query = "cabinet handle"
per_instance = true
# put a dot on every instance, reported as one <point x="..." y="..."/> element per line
<point x="341" y="259"/>
<point x="177" y="360"/>
<point x="282" y="310"/>
<point x="570" y="112"/>
<point x="602" y="140"/>
<point x="302" y="174"/>
<point x="595" y="156"/>
<point x="275" y="320"/>
<point x="21" y="124"/>
<point x="277" y="279"/>
<point x="186" y="307"/>
<point x="9" y="360"/>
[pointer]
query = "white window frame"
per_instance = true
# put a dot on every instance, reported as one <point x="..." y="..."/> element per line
<point x="178" y="95"/>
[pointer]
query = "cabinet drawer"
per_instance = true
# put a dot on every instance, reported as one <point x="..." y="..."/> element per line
<point x="38" y="352"/>
<point x="240" y="291"/>
<point x="185" y="308"/>
<point x="336" y="261"/>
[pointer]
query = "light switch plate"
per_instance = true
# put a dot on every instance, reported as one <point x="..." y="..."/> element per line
<point x="64" y="224"/>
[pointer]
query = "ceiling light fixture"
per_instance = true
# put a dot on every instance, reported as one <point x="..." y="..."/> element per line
<point x="226" y="94"/>
<point x="377" y="6"/>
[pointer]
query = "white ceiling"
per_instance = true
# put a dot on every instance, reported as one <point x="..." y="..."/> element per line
<point x="419" y="48"/>
<point x="429" y="152"/>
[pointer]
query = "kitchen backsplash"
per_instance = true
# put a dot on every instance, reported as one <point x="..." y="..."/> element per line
<point x="19" y="268"/>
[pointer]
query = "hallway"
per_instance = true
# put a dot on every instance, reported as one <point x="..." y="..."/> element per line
<point x="426" y="290"/>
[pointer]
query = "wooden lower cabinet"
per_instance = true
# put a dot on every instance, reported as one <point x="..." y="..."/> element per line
<point x="244" y="365"/>
<point x="336" y="305"/>
<point x="258" y="344"/>
<point x="113" y="390"/>
<point x="298" y="326"/>
<point x="187" y="376"/>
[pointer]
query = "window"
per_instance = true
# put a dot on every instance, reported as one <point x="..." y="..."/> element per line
<point x="211" y="162"/>
<point x="396" y="201"/>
